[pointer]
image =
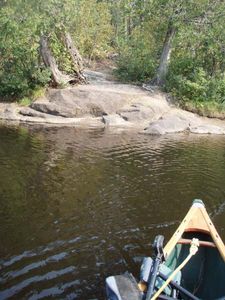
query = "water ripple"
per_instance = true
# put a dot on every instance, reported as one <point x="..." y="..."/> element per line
<point x="6" y="294"/>
<point x="88" y="204"/>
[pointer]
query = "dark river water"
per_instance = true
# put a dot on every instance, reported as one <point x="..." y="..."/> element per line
<point x="78" y="205"/>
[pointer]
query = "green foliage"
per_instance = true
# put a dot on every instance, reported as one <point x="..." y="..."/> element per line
<point x="196" y="68"/>
<point x="22" y="22"/>
<point x="25" y="101"/>
<point x="196" y="73"/>
<point x="135" y="29"/>
<point x="60" y="53"/>
<point x="136" y="61"/>
<point x="20" y="71"/>
<point x="196" y="86"/>
<point x="196" y="90"/>
<point x="217" y="89"/>
<point x="91" y="28"/>
<point x="40" y="76"/>
<point x="38" y="92"/>
<point x="206" y="109"/>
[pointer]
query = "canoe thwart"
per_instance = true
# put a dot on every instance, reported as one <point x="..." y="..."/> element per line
<point x="201" y="243"/>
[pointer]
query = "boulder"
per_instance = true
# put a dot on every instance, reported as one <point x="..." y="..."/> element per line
<point x="171" y="124"/>
<point x="191" y="118"/>
<point x="207" y="129"/>
<point x="54" y="109"/>
<point x="81" y="101"/>
<point x="9" y="112"/>
<point x="115" y="120"/>
<point x="137" y="113"/>
<point x="29" y="112"/>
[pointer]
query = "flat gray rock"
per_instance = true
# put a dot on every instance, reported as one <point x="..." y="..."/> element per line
<point x="115" y="120"/>
<point x="137" y="113"/>
<point x="9" y="112"/>
<point x="53" y="109"/>
<point x="171" y="124"/>
<point x="207" y="129"/>
<point x="81" y="101"/>
<point x="29" y="112"/>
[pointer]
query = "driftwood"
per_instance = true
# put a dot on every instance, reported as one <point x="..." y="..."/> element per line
<point x="76" y="58"/>
<point x="58" y="77"/>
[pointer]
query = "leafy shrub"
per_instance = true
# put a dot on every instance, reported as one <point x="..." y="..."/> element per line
<point x="18" y="78"/>
<point x="137" y="60"/>
<point x="23" y="22"/>
<point x="91" y="28"/>
<point x="20" y="69"/>
<point x="216" y="89"/>
<point x="189" y="82"/>
<point x="25" y="101"/>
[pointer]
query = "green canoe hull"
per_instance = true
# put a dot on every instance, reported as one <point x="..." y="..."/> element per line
<point x="204" y="275"/>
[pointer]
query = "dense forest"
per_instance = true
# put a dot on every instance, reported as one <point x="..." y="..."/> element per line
<point x="178" y="45"/>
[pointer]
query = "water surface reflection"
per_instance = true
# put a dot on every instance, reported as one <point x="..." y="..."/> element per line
<point x="78" y="205"/>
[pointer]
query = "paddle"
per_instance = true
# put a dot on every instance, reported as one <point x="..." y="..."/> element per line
<point x="154" y="272"/>
<point x="178" y="287"/>
<point x="158" y="258"/>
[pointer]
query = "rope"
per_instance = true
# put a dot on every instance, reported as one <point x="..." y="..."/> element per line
<point x="192" y="251"/>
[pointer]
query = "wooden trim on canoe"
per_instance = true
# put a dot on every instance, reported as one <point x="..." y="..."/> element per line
<point x="201" y="243"/>
<point x="196" y="220"/>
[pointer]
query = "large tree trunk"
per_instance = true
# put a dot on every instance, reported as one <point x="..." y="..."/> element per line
<point x="57" y="76"/>
<point x="76" y="58"/>
<point x="165" y="56"/>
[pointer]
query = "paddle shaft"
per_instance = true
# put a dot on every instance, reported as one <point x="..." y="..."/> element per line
<point x="179" y="288"/>
<point x="159" y="256"/>
<point x="164" y="297"/>
<point x="152" y="276"/>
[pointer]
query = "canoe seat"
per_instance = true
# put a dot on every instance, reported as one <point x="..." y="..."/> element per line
<point x="123" y="287"/>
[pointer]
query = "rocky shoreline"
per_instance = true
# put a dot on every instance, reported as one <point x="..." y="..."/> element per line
<point x="107" y="104"/>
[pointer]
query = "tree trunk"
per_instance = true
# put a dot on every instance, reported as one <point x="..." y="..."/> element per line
<point x="222" y="68"/>
<point x="76" y="58"/>
<point x="57" y="76"/>
<point x="165" y="56"/>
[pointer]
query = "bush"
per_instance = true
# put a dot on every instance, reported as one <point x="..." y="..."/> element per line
<point x="216" y="89"/>
<point x="20" y="69"/>
<point x="19" y="78"/>
<point x="23" y="22"/>
<point x="189" y="82"/>
<point x="137" y="60"/>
